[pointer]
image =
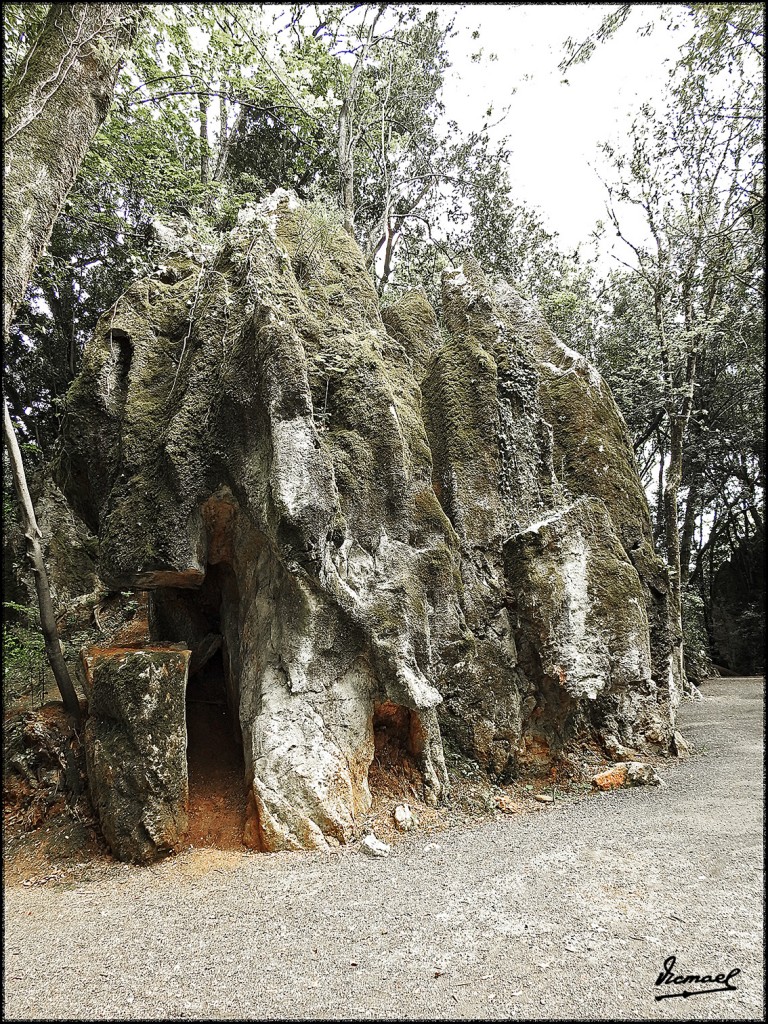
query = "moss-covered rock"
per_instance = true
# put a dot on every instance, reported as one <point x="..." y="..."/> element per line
<point x="336" y="494"/>
<point x="412" y="323"/>
<point x="263" y="380"/>
<point x="135" y="745"/>
<point x="577" y="604"/>
<point x="593" y="457"/>
<point x="69" y="547"/>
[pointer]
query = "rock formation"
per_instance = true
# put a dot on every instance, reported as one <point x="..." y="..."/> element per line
<point x="390" y="526"/>
<point x="69" y="548"/>
<point x="135" y="747"/>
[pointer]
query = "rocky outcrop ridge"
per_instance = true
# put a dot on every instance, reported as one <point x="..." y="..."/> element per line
<point x="376" y="514"/>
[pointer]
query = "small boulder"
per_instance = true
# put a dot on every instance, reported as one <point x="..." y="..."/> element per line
<point x="612" y="778"/>
<point x="374" y="847"/>
<point x="617" y="751"/>
<point x="679" y="746"/>
<point x="404" y="818"/>
<point x="506" y="805"/>
<point x="641" y="774"/>
<point x="136" y="748"/>
<point x="628" y="773"/>
<point x="543" y="798"/>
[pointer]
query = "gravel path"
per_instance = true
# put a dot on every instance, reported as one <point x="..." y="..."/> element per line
<point x="568" y="913"/>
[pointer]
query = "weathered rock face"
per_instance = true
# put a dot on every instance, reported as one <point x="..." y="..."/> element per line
<point x="593" y="456"/>
<point x="69" y="548"/>
<point x="371" y="515"/>
<point x="135" y="746"/>
<point x="547" y="557"/>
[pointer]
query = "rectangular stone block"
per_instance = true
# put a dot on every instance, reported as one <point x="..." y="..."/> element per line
<point x="136" y="747"/>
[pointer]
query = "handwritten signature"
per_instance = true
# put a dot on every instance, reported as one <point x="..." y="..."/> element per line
<point x="668" y="977"/>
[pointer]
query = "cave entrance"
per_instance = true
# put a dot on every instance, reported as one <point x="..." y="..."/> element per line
<point x="215" y="767"/>
<point x="204" y="619"/>
<point x="398" y="740"/>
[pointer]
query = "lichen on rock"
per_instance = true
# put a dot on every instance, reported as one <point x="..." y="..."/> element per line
<point x="135" y="746"/>
<point x="366" y="508"/>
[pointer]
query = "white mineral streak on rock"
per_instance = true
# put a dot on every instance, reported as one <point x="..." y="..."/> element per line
<point x="268" y="209"/>
<point x="412" y="689"/>
<point x="635" y="659"/>
<point x="300" y="774"/>
<point x="295" y="456"/>
<point x="299" y="679"/>
<point x="584" y="674"/>
<point x="153" y="675"/>
<point x="558" y="370"/>
<point x="547" y="521"/>
<point x="582" y="362"/>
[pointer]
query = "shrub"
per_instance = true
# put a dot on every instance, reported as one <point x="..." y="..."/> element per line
<point x="24" y="661"/>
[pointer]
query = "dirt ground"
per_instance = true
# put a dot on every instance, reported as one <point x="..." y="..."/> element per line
<point x="215" y="768"/>
<point x="565" y="912"/>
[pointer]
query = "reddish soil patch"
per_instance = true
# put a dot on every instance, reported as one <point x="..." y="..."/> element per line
<point x="215" y="762"/>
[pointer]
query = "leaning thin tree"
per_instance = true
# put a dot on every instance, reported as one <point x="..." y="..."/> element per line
<point x="54" y="105"/>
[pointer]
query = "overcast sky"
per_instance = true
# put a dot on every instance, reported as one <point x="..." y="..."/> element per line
<point x="555" y="128"/>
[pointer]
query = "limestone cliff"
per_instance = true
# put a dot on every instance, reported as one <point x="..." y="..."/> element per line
<point x="391" y="524"/>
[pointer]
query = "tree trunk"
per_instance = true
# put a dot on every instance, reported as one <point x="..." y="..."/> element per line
<point x="35" y="553"/>
<point x="347" y="140"/>
<point x="388" y="254"/>
<point x="658" y="532"/>
<point x="205" y="174"/>
<point x="53" y="108"/>
<point x="689" y="526"/>
<point x="346" y="168"/>
<point x="223" y="139"/>
<point x="672" y="538"/>
<point x="227" y="138"/>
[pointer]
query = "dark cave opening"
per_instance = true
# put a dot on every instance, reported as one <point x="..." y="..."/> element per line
<point x="203" y="619"/>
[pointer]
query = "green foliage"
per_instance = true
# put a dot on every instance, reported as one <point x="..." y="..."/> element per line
<point x="681" y="338"/>
<point x="580" y="52"/>
<point x="24" y="659"/>
<point x="316" y="228"/>
<point x="21" y="24"/>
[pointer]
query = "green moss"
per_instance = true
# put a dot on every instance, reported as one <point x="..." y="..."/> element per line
<point x="74" y="561"/>
<point x="461" y="411"/>
<point x="412" y="323"/>
<point x="428" y="513"/>
<point x="593" y="450"/>
<point x="460" y="396"/>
